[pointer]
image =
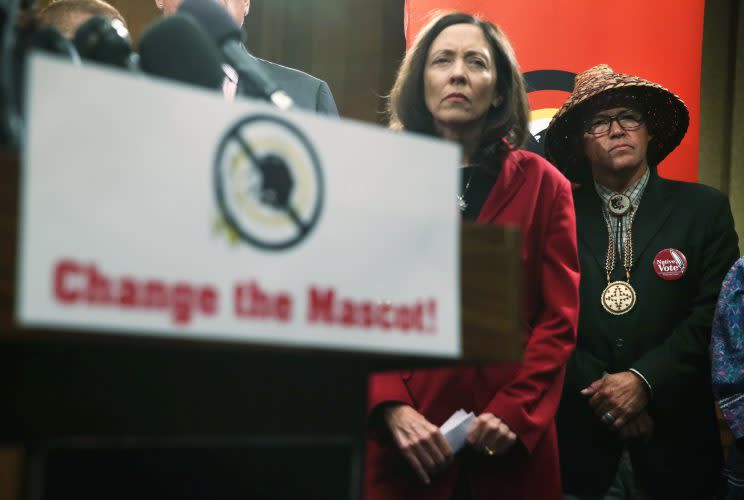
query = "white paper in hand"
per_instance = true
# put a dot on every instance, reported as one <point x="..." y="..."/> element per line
<point x="455" y="429"/>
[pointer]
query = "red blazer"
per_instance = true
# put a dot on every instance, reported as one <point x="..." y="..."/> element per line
<point x="533" y="195"/>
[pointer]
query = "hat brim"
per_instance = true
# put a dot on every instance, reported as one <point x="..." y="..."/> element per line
<point x="667" y="119"/>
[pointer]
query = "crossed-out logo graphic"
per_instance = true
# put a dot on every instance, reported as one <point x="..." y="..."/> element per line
<point x="547" y="90"/>
<point x="268" y="182"/>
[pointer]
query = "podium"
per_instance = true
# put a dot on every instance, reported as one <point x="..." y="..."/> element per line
<point x="76" y="401"/>
<point x="159" y="416"/>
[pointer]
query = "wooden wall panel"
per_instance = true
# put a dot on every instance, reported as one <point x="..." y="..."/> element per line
<point x="722" y="103"/>
<point x="354" y="45"/>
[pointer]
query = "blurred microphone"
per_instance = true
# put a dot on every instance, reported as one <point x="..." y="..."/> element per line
<point x="105" y="40"/>
<point x="10" y="120"/>
<point x="19" y="38"/>
<point x="52" y="41"/>
<point x="225" y="32"/>
<point x="177" y="48"/>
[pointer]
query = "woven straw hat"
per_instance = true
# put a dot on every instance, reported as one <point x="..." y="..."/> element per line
<point x="600" y="87"/>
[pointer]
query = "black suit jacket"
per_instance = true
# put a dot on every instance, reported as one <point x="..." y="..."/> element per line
<point x="306" y="91"/>
<point x="665" y="337"/>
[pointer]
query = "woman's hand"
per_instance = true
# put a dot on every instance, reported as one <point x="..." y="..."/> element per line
<point x="421" y="443"/>
<point x="490" y="435"/>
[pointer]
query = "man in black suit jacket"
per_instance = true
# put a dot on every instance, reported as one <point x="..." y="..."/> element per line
<point x="637" y="418"/>
<point x="306" y="91"/>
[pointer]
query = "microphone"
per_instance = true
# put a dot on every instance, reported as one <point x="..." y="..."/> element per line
<point x="49" y="39"/>
<point x="105" y="40"/>
<point x="10" y="120"/>
<point x="177" y="48"/>
<point x="225" y="32"/>
<point x="18" y="40"/>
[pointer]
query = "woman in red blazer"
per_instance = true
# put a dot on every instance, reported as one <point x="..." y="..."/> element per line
<point x="460" y="81"/>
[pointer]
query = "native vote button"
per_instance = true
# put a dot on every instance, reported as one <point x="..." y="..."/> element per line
<point x="670" y="264"/>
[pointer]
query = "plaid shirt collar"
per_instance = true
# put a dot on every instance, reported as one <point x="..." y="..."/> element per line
<point x="634" y="192"/>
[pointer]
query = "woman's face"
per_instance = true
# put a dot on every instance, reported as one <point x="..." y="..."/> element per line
<point x="460" y="78"/>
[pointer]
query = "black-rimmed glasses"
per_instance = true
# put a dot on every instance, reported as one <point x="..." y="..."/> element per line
<point x="629" y="119"/>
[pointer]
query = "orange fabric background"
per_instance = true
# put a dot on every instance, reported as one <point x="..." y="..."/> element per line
<point x="660" y="40"/>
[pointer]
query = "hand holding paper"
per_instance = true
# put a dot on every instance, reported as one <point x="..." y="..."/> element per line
<point x="420" y="442"/>
<point x="455" y="429"/>
<point x="490" y="435"/>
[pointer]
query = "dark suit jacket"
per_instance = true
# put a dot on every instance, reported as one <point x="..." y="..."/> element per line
<point x="532" y="195"/>
<point x="665" y="337"/>
<point x="306" y="91"/>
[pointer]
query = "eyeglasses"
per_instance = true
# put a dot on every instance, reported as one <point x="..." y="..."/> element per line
<point x="628" y="120"/>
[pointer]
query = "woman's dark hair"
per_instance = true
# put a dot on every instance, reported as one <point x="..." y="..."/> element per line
<point x="406" y="105"/>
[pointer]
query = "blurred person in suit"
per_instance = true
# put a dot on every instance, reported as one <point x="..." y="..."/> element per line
<point x="306" y="91"/>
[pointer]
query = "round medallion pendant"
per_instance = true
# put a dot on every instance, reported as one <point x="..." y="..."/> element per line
<point x="618" y="298"/>
<point x="618" y="205"/>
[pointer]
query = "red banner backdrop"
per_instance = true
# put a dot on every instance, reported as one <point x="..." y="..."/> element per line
<point x="659" y="40"/>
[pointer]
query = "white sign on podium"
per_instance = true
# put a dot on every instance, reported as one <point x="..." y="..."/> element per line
<point x="155" y="208"/>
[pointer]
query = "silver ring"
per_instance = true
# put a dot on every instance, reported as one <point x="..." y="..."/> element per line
<point x="609" y="417"/>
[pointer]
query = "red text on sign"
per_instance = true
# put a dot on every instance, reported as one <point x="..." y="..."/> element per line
<point x="77" y="283"/>
<point x="324" y="306"/>
<point x="252" y="301"/>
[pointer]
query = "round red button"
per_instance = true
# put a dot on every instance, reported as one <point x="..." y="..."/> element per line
<point x="670" y="264"/>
